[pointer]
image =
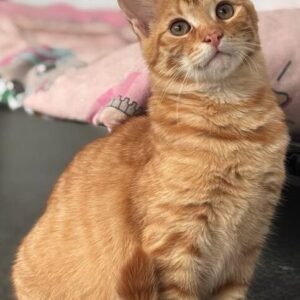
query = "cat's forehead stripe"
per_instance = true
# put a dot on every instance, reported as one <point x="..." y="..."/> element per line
<point x="188" y="12"/>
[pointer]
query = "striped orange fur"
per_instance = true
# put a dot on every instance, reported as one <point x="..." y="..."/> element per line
<point x="176" y="204"/>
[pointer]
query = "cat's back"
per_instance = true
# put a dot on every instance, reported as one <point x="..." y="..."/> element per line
<point x="88" y="207"/>
<point x="105" y="165"/>
<point x="128" y="144"/>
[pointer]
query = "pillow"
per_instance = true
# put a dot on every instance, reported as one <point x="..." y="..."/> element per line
<point x="82" y="94"/>
<point x="280" y="37"/>
<point x="276" y="4"/>
<point x="78" y="3"/>
<point x="61" y="11"/>
<point x="89" y="33"/>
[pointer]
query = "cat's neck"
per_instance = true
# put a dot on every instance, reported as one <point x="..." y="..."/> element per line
<point x="240" y="86"/>
<point x="234" y="105"/>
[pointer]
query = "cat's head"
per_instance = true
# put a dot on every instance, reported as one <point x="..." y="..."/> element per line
<point x="195" y="39"/>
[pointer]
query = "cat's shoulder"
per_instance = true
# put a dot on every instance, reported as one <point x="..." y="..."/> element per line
<point x="130" y="142"/>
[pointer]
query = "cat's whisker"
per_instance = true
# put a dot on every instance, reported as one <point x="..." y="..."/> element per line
<point x="249" y="61"/>
<point x="179" y="97"/>
<point x="238" y="41"/>
<point x="244" y="58"/>
<point x="197" y="55"/>
<point x="242" y="45"/>
<point x="254" y="64"/>
<point x="171" y="72"/>
<point x="242" y="39"/>
<point x="173" y="78"/>
<point x="164" y="71"/>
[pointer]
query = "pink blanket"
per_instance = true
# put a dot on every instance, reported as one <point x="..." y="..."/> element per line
<point x="90" y="34"/>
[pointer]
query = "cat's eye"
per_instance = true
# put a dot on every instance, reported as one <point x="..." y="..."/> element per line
<point x="224" y="11"/>
<point x="180" y="27"/>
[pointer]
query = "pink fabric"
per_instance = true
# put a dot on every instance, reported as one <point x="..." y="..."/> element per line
<point x="8" y="59"/>
<point x="90" y="34"/>
<point x="135" y="87"/>
<point x="121" y="89"/>
<point x="61" y="12"/>
<point x="74" y="95"/>
<point x="280" y="35"/>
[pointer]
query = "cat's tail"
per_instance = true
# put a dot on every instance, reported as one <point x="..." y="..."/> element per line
<point x="138" y="279"/>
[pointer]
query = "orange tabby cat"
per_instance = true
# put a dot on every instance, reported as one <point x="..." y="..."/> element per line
<point x="175" y="205"/>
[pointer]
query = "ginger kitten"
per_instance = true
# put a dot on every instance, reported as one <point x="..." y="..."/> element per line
<point x="175" y="205"/>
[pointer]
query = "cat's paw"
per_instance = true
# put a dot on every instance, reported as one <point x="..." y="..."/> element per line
<point x="111" y="118"/>
<point x="232" y="292"/>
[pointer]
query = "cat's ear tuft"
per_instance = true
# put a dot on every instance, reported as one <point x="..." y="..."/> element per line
<point x="140" y="14"/>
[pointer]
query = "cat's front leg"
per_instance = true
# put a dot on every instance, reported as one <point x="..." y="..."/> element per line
<point x="234" y="291"/>
<point x="237" y="285"/>
<point x="177" y="264"/>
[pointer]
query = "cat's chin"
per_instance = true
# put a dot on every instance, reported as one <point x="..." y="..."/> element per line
<point x="217" y="60"/>
<point x="219" y="67"/>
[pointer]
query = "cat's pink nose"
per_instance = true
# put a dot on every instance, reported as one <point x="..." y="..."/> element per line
<point x="214" y="38"/>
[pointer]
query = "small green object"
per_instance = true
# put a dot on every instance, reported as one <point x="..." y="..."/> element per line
<point x="10" y="96"/>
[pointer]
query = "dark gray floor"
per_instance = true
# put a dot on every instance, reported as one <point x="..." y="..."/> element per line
<point x="33" y="152"/>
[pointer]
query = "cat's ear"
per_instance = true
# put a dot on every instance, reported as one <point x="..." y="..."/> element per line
<point x="140" y="14"/>
<point x="253" y="13"/>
